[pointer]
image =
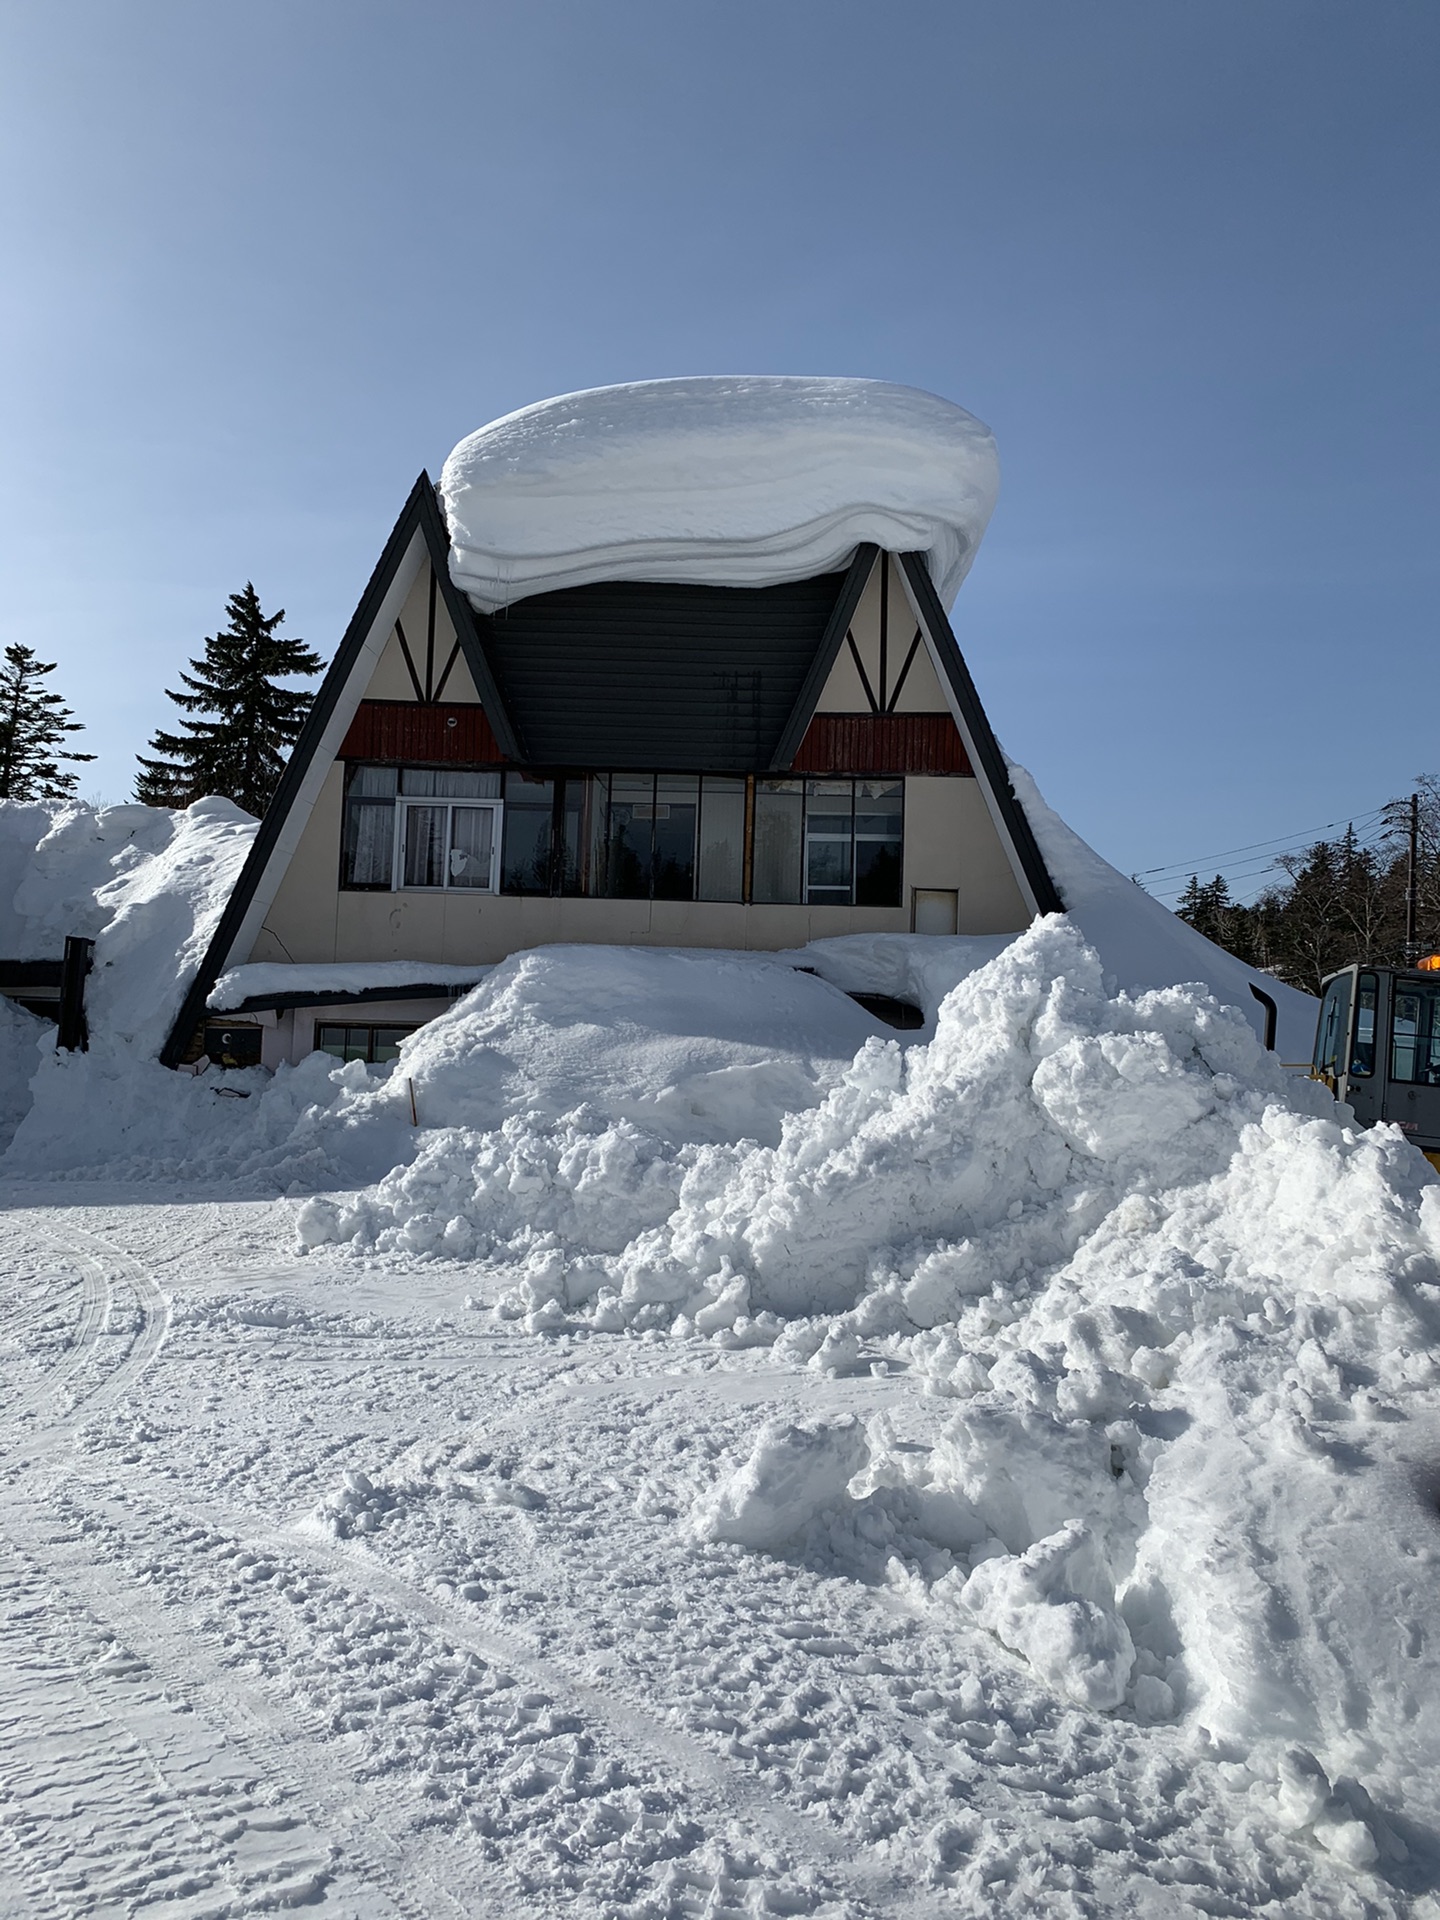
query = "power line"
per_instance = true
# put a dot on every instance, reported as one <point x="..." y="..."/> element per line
<point x="1281" y="842"/>
<point x="1258" y="866"/>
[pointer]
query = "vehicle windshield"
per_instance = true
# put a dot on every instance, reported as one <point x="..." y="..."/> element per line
<point x="1415" y="1033"/>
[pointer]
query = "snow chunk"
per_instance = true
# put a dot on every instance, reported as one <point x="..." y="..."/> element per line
<point x="796" y="1470"/>
<point x="1055" y="1604"/>
<point x="730" y="481"/>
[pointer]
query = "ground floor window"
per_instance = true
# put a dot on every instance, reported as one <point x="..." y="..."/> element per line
<point x="232" y="1046"/>
<point x="374" y="1045"/>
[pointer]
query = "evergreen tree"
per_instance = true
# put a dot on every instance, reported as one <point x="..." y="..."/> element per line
<point x="33" y="726"/>
<point x="249" y="724"/>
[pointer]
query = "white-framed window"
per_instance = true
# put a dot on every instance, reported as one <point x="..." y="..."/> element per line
<point x="422" y="828"/>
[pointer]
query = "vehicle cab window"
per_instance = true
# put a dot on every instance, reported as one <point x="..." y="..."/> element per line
<point x="1362" y="1051"/>
<point x="1415" y="1033"/>
<point x="1333" y="1027"/>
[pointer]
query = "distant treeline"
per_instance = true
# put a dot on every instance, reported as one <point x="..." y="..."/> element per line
<point x="1338" y="903"/>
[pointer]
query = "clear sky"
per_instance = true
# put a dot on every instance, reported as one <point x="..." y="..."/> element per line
<point x="263" y="262"/>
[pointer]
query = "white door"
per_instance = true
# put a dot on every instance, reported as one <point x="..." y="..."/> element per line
<point x="936" y="909"/>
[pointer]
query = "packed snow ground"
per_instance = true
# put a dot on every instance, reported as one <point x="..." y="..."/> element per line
<point x="728" y="1458"/>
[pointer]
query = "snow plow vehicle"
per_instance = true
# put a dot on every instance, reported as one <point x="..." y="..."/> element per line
<point x="1377" y="1047"/>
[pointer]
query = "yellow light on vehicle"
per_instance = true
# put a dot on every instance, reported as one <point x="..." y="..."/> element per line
<point x="1430" y="964"/>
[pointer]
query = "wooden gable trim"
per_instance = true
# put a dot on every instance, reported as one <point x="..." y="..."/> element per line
<point x="981" y="746"/>
<point x="882" y="743"/>
<point x="402" y="732"/>
<point x="826" y="655"/>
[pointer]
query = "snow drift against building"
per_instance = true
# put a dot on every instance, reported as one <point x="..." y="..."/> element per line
<point x="726" y="481"/>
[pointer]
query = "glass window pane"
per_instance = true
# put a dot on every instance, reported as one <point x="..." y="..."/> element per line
<point x="457" y="783"/>
<point x="385" y="1043"/>
<point x="330" y="1039"/>
<point x="373" y="782"/>
<point x="528" y="859"/>
<point x="571" y="852"/>
<point x="631" y="830"/>
<point x="721" y="861"/>
<point x="368" y="843"/>
<point x="878" y="872"/>
<point x="425" y="846"/>
<point x="472" y="835"/>
<point x="1331" y="1027"/>
<point x="779" y="816"/>
<point x="677" y="809"/>
<point x="357" y="1043"/>
<point x="1362" y="1054"/>
<point x="594" y="828"/>
<point x="419" y="780"/>
<point x="1415" y="1034"/>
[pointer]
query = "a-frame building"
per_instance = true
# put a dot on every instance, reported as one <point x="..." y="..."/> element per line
<point x="624" y="762"/>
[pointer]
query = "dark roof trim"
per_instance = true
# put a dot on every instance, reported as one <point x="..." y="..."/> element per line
<point x="826" y="654"/>
<point x="337" y="997"/>
<point x="988" y="759"/>
<point x="421" y="513"/>
<point x="467" y="630"/>
<point x="24" y="976"/>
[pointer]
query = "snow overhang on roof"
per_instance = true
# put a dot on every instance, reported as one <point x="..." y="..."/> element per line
<point x="719" y="481"/>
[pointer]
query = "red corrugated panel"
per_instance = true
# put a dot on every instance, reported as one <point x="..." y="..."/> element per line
<point x="882" y="743"/>
<point x="402" y="730"/>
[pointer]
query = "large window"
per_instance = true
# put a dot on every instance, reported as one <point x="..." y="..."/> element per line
<point x="421" y="827"/>
<point x="625" y="836"/>
<point x="834" y="843"/>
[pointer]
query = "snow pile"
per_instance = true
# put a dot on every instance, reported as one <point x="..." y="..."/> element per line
<point x="1142" y="944"/>
<point x="21" y="1037"/>
<point x="1186" y="1318"/>
<point x="743" y="481"/>
<point x="148" y="886"/>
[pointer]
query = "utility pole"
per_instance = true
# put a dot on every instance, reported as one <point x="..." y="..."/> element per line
<point x="1412" y="883"/>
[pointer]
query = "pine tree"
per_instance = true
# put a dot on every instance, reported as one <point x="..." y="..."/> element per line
<point x="33" y="725"/>
<point x="239" y="748"/>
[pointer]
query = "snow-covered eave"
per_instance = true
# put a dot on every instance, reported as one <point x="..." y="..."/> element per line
<point x="271" y="986"/>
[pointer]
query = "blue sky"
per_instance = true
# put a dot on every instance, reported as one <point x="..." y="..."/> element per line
<point x="262" y="263"/>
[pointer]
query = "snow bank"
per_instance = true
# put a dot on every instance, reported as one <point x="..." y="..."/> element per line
<point x="1184" y="1315"/>
<point x="732" y="481"/>
<point x="148" y="886"/>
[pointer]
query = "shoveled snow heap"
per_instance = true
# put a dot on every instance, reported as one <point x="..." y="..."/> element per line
<point x="148" y="886"/>
<point x="730" y="481"/>
<point x="1183" y="1317"/>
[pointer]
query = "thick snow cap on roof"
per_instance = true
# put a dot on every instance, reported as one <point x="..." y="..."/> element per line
<point x="724" y="481"/>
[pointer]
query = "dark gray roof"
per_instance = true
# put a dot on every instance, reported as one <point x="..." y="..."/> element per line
<point x="642" y="675"/>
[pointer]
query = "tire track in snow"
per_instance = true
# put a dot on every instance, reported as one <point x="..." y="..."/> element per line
<point x="112" y="1284"/>
<point x="174" y="1822"/>
<point x="713" y="1787"/>
<point x="279" y="1753"/>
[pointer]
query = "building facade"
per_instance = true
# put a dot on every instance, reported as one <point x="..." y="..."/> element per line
<point x="629" y="763"/>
